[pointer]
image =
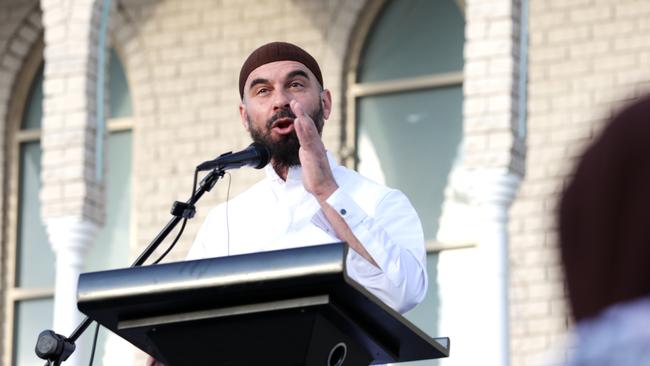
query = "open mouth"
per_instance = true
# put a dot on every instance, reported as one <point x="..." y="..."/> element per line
<point x="283" y="126"/>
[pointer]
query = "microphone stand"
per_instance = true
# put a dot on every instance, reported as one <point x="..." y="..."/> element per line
<point x="55" y="348"/>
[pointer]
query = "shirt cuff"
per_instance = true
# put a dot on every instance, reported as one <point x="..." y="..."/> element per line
<point x="355" y="217"/>
<point x="351" y="213"/>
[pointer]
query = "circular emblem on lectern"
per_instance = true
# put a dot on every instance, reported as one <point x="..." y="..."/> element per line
<point x="337" y="354"/>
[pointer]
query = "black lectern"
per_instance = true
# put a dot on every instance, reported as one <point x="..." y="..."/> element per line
<point x="286" y="307"/>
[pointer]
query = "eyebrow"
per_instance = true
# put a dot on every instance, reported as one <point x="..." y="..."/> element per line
<point x="258" y="81"/>
<point x="295" y="73"/>
<point x="290" y="75"/>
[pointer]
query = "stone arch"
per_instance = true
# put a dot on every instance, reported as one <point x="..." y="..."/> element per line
<point x="24" y="44"/>
<point x="19" y="63"/>
<point x="20" y="59"/>
<point x="341" y="32"/>
<point x="485" y="183"/>
<point x="131" y="48"/>
<point x="349" y="57"/>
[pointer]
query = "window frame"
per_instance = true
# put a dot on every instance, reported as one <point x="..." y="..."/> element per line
<point x="15" y="137"/>
<point x="355" y="90"/>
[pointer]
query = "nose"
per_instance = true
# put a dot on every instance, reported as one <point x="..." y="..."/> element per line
<point x="281" y="100"/>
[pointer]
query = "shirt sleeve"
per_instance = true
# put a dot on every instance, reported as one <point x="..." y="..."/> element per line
<point x="393" y="237"/>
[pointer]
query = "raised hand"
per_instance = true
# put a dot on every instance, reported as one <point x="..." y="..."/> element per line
<point x="316" y="172"/>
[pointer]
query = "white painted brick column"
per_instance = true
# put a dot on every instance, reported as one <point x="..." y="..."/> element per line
<point x="473" y="282"/>
<point x="71" y="197"/>
<point x="496" y="192"/>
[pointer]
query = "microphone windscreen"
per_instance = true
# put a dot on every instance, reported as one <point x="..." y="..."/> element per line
<point x="263" y="153"/>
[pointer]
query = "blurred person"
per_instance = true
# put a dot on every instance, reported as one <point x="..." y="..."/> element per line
<point x="605" y="244"/>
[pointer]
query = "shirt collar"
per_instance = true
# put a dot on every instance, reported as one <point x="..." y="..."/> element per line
<point x="295" y="172"/>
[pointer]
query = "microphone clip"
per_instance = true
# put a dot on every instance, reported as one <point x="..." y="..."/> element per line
<point x="183" y="210"/>
<point x="53" y="347"/>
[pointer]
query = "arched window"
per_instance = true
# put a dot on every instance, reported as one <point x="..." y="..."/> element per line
<point x="30" y="268"/>
<point x="405" y="107"/>
<point x="112" y="245"/>
<point x="31" y="261"/>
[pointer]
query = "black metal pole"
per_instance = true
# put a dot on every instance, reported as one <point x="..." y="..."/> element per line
<point x="53" y="347"/>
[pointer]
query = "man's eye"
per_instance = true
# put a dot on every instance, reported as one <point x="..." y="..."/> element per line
<point x="296" y="84"/>
<point x="262" y="91"/>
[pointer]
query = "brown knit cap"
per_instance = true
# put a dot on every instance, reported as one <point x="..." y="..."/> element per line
<point x="277" y="51"/>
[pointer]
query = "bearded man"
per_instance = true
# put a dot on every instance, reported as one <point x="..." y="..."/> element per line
<point x="306" y="197"/>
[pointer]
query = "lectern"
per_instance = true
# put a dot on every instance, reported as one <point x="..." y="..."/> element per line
<point x="285" y="307"/>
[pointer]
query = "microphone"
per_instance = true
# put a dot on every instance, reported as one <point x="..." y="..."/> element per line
<point x="255" y="155"/>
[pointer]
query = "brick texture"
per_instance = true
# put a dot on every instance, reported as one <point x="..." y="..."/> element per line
<point x="490" y="89"/>
<point x="69" y="186"/>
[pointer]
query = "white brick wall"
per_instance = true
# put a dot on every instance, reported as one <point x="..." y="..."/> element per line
<point x="69" y="185"/>
<point x="585" y="58"/>
<point x="490" y="85"/>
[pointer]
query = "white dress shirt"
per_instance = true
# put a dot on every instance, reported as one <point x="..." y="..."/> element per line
<point x="274" y="214"/>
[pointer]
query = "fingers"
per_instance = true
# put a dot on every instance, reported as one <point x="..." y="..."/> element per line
<point x="316" y="173"/>
<point x="304" y="125"/>
<point x="296" y="107"/>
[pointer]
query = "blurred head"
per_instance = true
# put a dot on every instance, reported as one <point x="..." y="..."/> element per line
<point x="603" y="219"/>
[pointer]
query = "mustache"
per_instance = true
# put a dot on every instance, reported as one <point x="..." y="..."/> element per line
<point x="282" y="113"/>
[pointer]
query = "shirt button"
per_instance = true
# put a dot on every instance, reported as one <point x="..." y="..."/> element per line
<point x="343" y="211"/>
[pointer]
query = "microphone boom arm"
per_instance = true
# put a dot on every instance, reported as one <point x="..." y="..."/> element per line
<point x="56" y="348"/>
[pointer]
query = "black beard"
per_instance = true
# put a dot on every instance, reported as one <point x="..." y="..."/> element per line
<point x="284" y="151"/>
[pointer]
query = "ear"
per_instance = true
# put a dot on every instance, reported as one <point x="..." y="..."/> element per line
<point x="243" y="115"/>
<point x="326" y="103"/>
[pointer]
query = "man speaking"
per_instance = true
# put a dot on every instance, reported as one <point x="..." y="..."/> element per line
<point x="306" y="197"/>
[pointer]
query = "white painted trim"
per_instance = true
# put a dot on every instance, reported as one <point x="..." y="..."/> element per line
<point x="496" y="194"/>
<point x="70" y="237"/>
<point x="473" y="281"/>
